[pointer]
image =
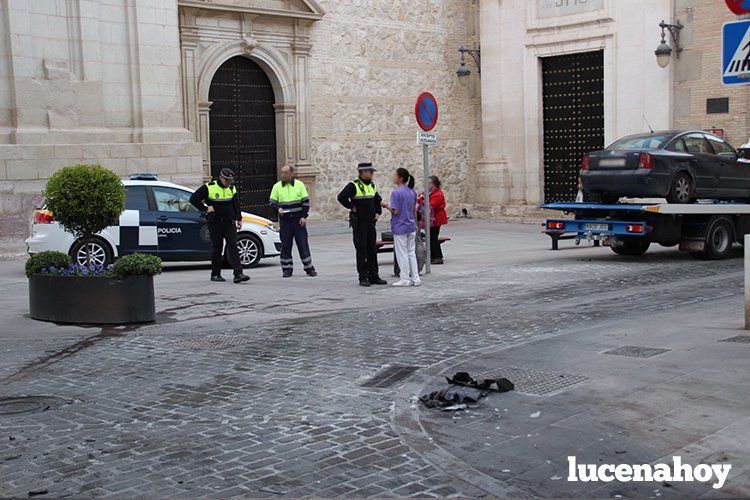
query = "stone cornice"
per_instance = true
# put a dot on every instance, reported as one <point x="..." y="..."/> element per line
<point x="315" y="13"/>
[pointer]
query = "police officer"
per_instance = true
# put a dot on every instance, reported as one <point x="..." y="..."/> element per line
<point x="219" y="201"/>
<point x="289" y="197"/>
<point x="362" y="199"/>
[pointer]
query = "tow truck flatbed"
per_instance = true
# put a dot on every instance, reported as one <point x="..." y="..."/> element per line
<point x="705" y="229"/>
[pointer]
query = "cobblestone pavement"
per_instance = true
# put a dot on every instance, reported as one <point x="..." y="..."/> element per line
<point x="278" y="408"/>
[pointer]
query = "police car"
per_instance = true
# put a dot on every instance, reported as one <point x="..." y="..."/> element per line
<point x="159" y="220"/>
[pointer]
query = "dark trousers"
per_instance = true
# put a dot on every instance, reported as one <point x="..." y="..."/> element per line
<point x="365" y="241"/>
<point x="222" y="231"/>
<point x="292" y="232"/>
<point x="435" y="251"/>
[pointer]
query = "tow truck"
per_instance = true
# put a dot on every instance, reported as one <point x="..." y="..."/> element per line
<point x="705" y="229"/>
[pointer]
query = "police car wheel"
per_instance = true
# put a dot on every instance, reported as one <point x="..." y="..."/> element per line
<point x="101" y="253"/>
<point x="251" y="250"/>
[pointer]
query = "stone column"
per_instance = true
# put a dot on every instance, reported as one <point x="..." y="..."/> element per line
<point x="203" y="130"/>
<point x="493" y="179"/>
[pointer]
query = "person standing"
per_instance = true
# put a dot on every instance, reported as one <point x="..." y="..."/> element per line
<point x="363" y="201"/>
<point x="438" y="218"/>
<point x="403" y="208"/>
<point x="289" y="197"/>
<point x="220" y="203"/>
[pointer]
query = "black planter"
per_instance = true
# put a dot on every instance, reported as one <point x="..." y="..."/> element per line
<point x="92" y="301"/>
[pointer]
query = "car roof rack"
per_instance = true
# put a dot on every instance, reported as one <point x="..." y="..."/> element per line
<point x="144" y="177"/>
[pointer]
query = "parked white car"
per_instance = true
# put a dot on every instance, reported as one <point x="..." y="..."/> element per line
<point x="159" y="220"/>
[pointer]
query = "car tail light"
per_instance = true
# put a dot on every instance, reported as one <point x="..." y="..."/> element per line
<point x="43" y="217"/>
<point x="585" y="163"/>
<point x="634" y="228"/>
<point x="646" y="161"/>
<point x="556" y="225"/>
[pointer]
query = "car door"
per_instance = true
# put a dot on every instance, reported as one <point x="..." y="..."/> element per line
<point x="181" y="228"/>
<point x="734" y="179"/>
<point x="704" y="164"/>
<point x="136" y="231"/>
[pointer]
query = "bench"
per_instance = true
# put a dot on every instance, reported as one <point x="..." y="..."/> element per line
<point x="386" y="246"/>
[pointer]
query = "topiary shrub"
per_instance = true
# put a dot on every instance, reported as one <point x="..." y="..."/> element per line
<point x="44" y="261"/>
<point x="137" y="264"/>
<point x="85" y="199"/>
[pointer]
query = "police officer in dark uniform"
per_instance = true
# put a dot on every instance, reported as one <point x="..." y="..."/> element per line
<point x="220" y="203"/>
<point x="363" y="201"/>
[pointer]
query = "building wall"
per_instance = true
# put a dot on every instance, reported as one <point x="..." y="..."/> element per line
<point x="515" y="34"/>
<point x="94" y="81"/>
<point x="370" y="61"/>
<point x="697" y="73"/>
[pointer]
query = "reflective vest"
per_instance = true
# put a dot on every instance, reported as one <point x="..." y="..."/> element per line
<point x="219" y="193"/>
<point x="291" y="197"/>
<point x="364" y="191"/>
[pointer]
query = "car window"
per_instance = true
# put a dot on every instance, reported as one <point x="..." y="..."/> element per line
<point x="648" y="141"/>
<point x="172" y="200"/>
<point x="679" y="145"/>
<point x="697" y="143"/>
<point x="721" y="148"/>
<point x="136" y="198"/>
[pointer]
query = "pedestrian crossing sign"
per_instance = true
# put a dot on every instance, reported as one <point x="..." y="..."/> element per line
<point x="736" y="53"/>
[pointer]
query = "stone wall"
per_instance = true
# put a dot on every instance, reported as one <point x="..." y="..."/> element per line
<point x="370" y="61"/>
<point x="697" y="73"/>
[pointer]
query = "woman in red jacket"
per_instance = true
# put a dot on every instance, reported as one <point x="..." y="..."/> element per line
<point x="438" y="218"/>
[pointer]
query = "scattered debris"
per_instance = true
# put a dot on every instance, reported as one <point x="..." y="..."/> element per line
<point x="463" y="390"/>
<point x="620" y="452"/>
<point x="536" y="414"/>
<point x="11" y="438"/>
<point x="38" y="491"/>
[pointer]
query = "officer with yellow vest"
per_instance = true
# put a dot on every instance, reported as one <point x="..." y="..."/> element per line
<point x="363" y="201"/>
<point x="219" y="201"/>
<point x="289" y="197"/>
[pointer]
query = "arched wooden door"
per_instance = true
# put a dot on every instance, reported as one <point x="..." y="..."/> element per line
<point x="243" y="130"/>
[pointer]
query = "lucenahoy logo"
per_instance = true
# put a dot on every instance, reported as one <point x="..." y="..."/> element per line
<point x="739" y="7"/>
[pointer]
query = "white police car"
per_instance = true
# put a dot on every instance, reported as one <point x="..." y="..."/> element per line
<point x="159" y="220"/>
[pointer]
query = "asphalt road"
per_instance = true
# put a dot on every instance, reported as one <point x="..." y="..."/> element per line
<point x="261" y="390"/>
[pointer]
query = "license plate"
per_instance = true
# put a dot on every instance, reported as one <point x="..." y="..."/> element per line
<point x="612" y="162"/>
<point x="597" y="227"/>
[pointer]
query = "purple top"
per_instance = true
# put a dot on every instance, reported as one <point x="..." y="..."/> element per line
<point x="403" y="199"/>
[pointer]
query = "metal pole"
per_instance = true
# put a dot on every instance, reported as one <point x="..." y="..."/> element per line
<point x="747" y="282"/>
<point x="426" y="161"/>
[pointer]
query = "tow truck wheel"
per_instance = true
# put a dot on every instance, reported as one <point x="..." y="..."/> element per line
<point x="632" y="248"/>
<point x="101" y="253"/>
<point x="718" y="241"/>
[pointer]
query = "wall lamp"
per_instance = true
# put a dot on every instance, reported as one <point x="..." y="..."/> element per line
<point x="463" y="69"/>
<point x="664" y="51"/>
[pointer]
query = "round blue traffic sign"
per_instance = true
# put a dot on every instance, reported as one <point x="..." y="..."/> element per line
<point x="426" y="111"/>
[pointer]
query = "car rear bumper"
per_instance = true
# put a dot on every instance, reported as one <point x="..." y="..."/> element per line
<point x="639" y="183"/>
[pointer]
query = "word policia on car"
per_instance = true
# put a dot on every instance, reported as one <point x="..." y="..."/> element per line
<point x="625" y="473"/>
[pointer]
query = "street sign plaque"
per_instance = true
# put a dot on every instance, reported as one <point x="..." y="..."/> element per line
<point x="426" y="111"/>
<point x="736" y="53"/>
<point x="426" y="138"/>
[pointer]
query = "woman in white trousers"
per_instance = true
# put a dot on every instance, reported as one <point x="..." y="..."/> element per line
<point x="403" y="208"/>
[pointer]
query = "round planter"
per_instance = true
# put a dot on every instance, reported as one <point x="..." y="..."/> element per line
<point x="92" y="301"/>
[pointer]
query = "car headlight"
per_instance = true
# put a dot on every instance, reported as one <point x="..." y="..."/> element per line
<point x="272" y="227"/>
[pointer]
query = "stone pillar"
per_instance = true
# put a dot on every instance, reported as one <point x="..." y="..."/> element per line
<point x="493" y="179"/>
<point x="204" y="129"/>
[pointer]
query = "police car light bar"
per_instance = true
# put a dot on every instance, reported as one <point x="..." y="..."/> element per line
<point x="144" y="177"/>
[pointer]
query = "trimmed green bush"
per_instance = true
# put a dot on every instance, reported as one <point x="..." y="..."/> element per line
<point x="85" y="199"/>
<point x="137" y="264"/>
<point x="43" y="261"/>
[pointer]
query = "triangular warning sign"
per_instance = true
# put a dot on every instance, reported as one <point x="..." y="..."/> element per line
<point x="740" y="63"/>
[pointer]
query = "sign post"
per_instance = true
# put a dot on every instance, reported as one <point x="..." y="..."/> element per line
<point x="426" y="112"/>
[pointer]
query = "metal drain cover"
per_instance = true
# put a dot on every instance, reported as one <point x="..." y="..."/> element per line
<point x="535" y="382"/>
<point x="25" y="405"/>
<point x="214" y="342"/>
<point x="632" y="351"/>
<point x="390" y="376"/>
<point x="739" y="339"/>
